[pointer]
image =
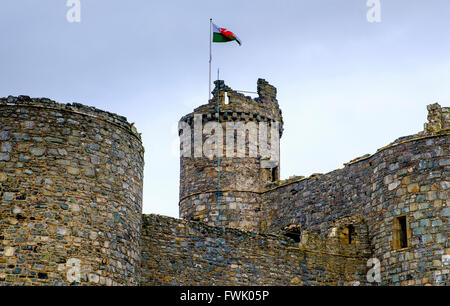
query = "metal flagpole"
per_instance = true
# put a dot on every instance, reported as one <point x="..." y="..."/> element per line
<point x="218" y="150"/>
<point x="210" y="57"/>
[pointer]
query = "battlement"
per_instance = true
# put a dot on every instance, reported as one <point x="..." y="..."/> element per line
<point x="438" y="119"/>
<point x="235" y="106"/>
<point x="90" y="111"/>
<point x="266" y="93"/>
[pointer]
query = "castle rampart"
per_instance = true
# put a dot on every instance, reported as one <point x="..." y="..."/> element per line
<point x="392" y="204"/>
<point x="71" y="205"/>
<point x="409" y="179"/>
<point x="179" y="252"/>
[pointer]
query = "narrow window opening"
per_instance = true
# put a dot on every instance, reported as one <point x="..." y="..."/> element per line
<point x="227" y="99"/>
<point x="351" y="233"/>
<point x="347" y="234"/>
<point x="274" y="174"/>
<point x="400" y="232"/>
<point x="403" y="234"/>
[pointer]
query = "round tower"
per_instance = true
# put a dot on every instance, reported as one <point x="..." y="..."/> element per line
<point x="229" y="152"/>
<point x="71" y="194"/>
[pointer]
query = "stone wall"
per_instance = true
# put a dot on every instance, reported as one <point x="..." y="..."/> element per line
<point x="71" y="200"/>
<point x="408" y="178"/>
<point x="71" y="194"/>
<point x="238" y="209"/>
<point x="179" y="252"/>
<point x="402" y="189"/>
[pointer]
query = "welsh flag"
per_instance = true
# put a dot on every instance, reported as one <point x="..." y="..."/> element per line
<point x="223" y="35"/>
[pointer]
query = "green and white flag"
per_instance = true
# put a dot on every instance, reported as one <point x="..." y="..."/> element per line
<point x="223" y="35"/>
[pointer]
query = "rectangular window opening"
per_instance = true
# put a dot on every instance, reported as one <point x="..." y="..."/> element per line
<point x="274" y="174"/>
<point x="351" y="232"/>
<point x="401" y="232"/>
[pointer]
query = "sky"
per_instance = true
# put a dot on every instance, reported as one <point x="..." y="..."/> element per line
<point x="346" y="86"/>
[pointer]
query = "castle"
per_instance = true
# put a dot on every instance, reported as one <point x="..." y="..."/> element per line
<point x="71" y="205"/>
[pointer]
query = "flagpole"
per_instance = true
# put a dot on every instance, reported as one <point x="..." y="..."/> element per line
<point x="218" y="152"/>
<point x="210" y="57"/>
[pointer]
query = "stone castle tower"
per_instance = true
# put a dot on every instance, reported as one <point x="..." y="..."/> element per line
<point x="242" y="177"/>
<point x="71" y="194"/>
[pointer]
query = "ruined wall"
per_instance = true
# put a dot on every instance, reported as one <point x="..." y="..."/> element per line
<point x="179" y="252"/>
<point x="408" y="178"/>
<point x="71" y="197"/>
<point x="71" y="194"/>
<point x="241" y="177"/>
<point x="401" y="190"/>
<point x="438" y="119"/>
<point x="412" y="179"/>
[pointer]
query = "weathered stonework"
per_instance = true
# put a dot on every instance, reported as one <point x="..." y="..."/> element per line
<point x="408" y="178"/>
<point x="71" y="194"/>
<point x="178" y="252"/>
<point x="242" y="178"/>
<point x="438" y="119"/>
<point x="71" y="200"/>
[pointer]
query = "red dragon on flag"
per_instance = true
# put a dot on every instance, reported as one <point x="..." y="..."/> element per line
<point x="224" y="35"/>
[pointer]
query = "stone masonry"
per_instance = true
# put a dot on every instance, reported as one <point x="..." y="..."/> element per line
<point x="242" y="178"/>
<point x="71" y="194"/>
<point x="71" y="205"/>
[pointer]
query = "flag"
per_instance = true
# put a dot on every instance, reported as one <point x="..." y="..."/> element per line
<point x="223" y="35"/>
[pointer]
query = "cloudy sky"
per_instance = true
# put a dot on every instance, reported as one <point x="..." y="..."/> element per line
<point x="346" y="86"/>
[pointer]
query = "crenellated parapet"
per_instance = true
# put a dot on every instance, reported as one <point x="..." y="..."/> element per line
<point x="45" y="103"/>
<point x="235" y="106"/>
